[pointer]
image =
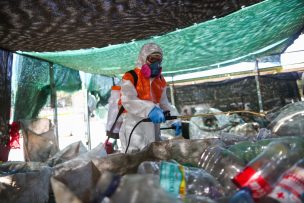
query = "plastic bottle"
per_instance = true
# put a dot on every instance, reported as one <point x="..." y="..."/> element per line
<point x="222" y="164"/>
<point x="243" y="196"/>
<point x="249" y="149"/>
<point x="260" y="174"/>
<point x="290" y="186"/>
<point x="183" y="181"/>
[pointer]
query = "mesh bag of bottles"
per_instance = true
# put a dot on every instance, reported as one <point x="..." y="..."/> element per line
<point x="24" y="182"/>
<point x="69" y="152"/>
<point x="78" y="185"/>
<point x="40" y="142"/>
<point x="78" y="158"/>
<point x="184" y="151"/>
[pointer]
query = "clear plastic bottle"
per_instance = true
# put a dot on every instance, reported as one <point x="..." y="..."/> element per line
<point x="290" y="186"/>
<point x="222" y="164"/>
<point x="260" y="174"/>
<point x="183" y="181"/>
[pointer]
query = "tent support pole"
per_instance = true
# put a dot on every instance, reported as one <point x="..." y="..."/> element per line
<point x="257" y="74"/>
<point x="172" y="92"/>
<point x="86" y="114"/>
<point x="54" y="100"/>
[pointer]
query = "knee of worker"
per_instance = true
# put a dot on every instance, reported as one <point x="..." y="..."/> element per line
<point x="136" y="142"/>
<point x="124" y="136"/>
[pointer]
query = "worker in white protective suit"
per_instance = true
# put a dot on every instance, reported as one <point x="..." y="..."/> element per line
<point x="148" y="99"/>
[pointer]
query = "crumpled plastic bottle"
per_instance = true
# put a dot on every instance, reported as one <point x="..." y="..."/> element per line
<point x="183" y="182"/>
<point x="260" y="174"/>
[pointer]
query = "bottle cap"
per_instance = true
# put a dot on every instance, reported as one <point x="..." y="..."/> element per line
<point x="242" y="178"/>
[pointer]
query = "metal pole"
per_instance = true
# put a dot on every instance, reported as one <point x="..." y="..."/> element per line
<point x="86" y="114"/>
<point x="54" y="100"/>
<point x="257" y="74"/>
<point x="7" y="93"/>
<point x="172" y="92"/>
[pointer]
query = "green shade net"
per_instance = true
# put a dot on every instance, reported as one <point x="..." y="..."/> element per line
<point x="100" y="86"/>
<point x="262" y="29"/>
<point x="34" y="85"/>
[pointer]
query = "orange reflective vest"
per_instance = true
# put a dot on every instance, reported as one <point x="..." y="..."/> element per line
<point x="145" y="91"/>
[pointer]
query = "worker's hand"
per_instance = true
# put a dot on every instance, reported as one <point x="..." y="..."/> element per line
<point x="156" y="115"/>
<point x="178" y="127"/>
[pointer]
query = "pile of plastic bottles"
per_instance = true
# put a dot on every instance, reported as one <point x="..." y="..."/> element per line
<point x="275" y="174"/>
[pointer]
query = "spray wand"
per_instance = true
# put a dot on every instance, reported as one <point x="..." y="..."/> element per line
<point x="187" y="117"/>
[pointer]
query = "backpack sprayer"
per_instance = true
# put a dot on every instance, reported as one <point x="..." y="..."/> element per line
<point x="187" y="117"/>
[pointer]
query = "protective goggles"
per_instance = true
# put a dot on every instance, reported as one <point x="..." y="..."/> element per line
<point x="154" y="57"/>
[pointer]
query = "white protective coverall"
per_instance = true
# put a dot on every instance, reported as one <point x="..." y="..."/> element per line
<point x="138" y="109"/>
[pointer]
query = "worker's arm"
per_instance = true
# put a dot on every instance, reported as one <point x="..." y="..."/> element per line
<point x="165" y="105"/>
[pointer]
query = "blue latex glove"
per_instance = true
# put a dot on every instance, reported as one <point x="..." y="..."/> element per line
<point x="178" y="127"/>
<point x="156" y="115"/>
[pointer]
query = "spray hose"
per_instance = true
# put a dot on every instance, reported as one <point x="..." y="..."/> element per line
<point x="187" y="117"/>
<point x="147" y="120"/>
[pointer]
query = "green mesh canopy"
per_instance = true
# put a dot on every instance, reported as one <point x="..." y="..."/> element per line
<point x="262" y="29"/>
<point x="34" y="85"/>
<point x="100" y="86"/>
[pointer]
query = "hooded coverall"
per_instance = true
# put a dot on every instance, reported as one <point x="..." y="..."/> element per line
<point x="139" y="101"/>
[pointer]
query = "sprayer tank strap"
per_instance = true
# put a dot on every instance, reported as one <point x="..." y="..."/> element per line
<point x="135" y="77"/>
<point x="121" y="110"/>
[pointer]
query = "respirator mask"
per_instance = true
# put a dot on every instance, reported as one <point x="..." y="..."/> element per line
<point x="153" y="66"/>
